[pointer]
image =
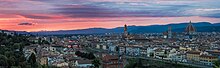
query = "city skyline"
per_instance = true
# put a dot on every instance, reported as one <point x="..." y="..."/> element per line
<point x="50" y="15"/>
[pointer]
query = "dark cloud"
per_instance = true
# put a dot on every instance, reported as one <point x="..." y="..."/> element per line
<point x="86" y="11"/>
<point x="26" y="23"/>
<point x="103" y="12"/>
<point x="107" y="8"/>
<point x="36" y="16"/>
<point x="100" y="10"/>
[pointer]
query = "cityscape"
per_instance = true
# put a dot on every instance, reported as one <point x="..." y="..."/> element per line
<point x="109" y="34"/>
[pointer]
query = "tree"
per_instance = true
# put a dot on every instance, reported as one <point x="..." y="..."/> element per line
<point x="83" y="55"/>
<point x="45" y="42"/>
<point x="39" y="41"/>
<point x="16" y="45"/>
<point x="32" y="59"/>
<point x="11" y="51"/>
<point x="91" y="56"/>
<point x="44" y="66"/>
<point x="139" y="63"/>
<point x="3" y="60"/>
<point x="132" y="63"/>
<point x="216" y="64"/>
<point x="35" y="50"/>
<point x="77" y="53"/>
<point x="8" y="53"/>
<point x="96" y="63"/>
<point x="151" y="54"/>
<point x="11" y="61"/>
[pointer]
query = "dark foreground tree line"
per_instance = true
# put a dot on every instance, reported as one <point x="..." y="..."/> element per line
<point x="11" y="52"/>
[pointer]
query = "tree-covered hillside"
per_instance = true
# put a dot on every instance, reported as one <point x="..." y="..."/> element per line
<point x="11" y="51"/>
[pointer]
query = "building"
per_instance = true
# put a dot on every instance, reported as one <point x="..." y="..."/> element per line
<point x="213" y="53"/>
<point x="179" y="58"/>
<point x="12" y="33"/>
<point x="133" y="50"/>
<point x="199" y="58"/>
<point x="168" y="34"/>
<point x="185" y="48"/>
<point x="150" y="52"/>
<point x="112" y="61"/>
<point x="112" y="48"/>
<point x="207" y="60"/>
<point x="43" y="61"/>
<point x="125" y="35"/>
<point x="193" y="55"/>
<point x="190" y="29"/>
<point x="61" y="64"/>
<point x="1" y="31"/>
<point x="161" y="53"/>
<point x="83" y="64"/>
<point x="125" y="30"/>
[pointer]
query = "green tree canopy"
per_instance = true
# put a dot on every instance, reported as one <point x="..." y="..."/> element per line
<point x="96" y="63"/>
<point x="3" y="60"/>
<point x="216" y="64"/>
<point x="32" y="59"/>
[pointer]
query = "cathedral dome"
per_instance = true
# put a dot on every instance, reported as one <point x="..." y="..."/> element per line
<point x="190" y="28"/>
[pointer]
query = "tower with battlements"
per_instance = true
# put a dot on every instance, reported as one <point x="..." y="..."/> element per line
<point x="125" y="31"/>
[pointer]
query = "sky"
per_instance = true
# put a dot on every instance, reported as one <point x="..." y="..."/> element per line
<point x="52" y="15"/>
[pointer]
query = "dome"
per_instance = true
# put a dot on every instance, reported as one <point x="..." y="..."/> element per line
<point x="190" y="28"/>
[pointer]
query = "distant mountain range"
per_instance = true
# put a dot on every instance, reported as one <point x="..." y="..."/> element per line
<point x="200" y="27"/>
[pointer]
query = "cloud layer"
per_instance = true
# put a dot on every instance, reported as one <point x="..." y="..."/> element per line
<point x="25" y="23"/>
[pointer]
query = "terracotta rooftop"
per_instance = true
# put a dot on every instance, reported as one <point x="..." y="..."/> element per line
<point x="207" y="56"/>
<point x="193" y="52"/>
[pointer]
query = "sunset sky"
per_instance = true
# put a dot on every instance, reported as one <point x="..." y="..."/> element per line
<point x="51" y="15"/>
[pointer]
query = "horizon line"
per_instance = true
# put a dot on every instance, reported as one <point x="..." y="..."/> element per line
<point x="108" y="28"/>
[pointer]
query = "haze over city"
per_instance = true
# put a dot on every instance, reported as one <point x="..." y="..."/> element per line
<point x="50" y="15"/>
